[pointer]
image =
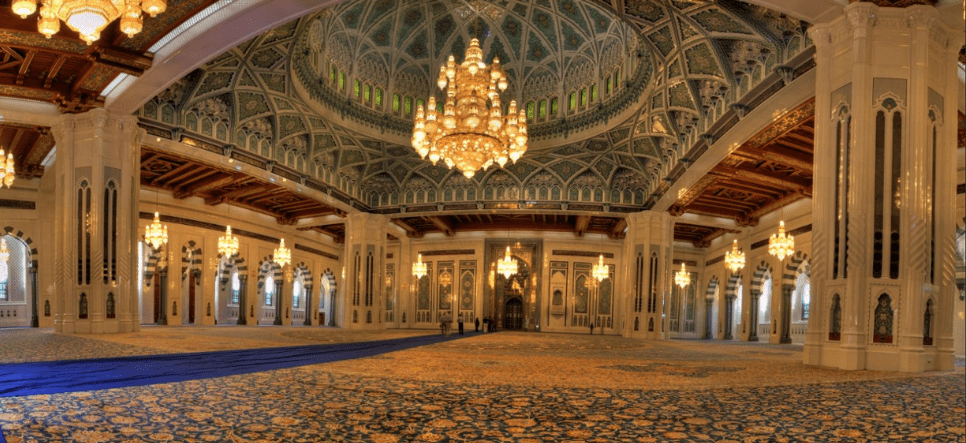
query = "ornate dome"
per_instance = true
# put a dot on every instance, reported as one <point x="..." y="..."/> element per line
<point x="562" y="58"/>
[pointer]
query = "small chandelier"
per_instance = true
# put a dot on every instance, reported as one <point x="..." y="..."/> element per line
<point x="156" y="234"/>
<point x="735" y="259"/>
<point x="600" y="270"/>
<point x="282" y="255"/>
<point x="6" y="169"/>
<point x="4" y="252"/>
<point x="781" y="245"/>
<point x="506" y="265"/>
<point x="469" y="133"/>
<point x="419" y="268"/>
<point x="89" y="17"/>
<point x="682" y="278"/>
<point x="227" y="244"/>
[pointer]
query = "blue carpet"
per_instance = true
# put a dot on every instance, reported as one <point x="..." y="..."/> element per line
<point x="56" y="377"/>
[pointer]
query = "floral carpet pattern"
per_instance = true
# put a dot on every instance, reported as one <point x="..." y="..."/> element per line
<point x="487" y="388"/>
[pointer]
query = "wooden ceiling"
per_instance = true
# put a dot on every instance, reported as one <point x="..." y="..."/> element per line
<point x="417" y="226"/>
<point x="64" y="70"/>
<point x="29" y="146"/>
<point x="185" y="178"/>
<point x="769" y="171"/>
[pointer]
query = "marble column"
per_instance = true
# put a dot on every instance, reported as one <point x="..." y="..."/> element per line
<point x="885" y="147"/>
<point x="647" y="253"/>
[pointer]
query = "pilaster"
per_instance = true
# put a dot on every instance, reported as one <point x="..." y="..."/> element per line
<point x="365" y="256"/>
<point x="647" y="253"/>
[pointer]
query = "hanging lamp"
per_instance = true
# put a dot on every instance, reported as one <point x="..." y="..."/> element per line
<point x="682" y="278"/>
<point x="735" y="259"/>
<point x="7" y="174"/>
<point x="507" y="265"/>
<point x="156" y="234"/>
<point x="282" y="255"/>
<point x="781" y="245"/>
<point x="89" y="17"/>
<point x="4" y="252"/>
<point x="419" y="268"/>
<point x="228" y="244"/>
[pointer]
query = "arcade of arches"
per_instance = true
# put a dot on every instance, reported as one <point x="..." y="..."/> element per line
<point x="661" y="131"/>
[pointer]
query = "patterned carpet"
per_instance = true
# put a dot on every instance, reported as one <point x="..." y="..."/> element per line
<point x="499" y="387"/>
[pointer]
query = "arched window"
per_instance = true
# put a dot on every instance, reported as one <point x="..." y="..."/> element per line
<point x="326" y="289"/>
<point x="738" y="291"/>
<point x="573" y="101"/>
<point x="764" y="302"/>
<point x="801" y="297"/>
<point x="235" y="287"/>
<point x="553" y="107"/>
<point x="3" y="280"/>
<point x="269" y="290"/>
<point x="296" y="294"/>
<point x="378" y="97"/>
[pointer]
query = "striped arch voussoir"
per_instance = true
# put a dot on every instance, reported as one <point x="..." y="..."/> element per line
<point x="14" y="232"/>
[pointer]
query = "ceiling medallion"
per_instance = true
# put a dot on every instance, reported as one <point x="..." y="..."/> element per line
<point x="506" y="265"/>
<point x="89" y="17"/>
<point x="419" y="268"/>
<point x="227" y="244"/>
<point x="467" y="132"/>
<point x="282" y="255"/>
<point x="4" y="252"/>
<point x="781" y="245"/>
<point x="6" y="169"/>
<point x="156" y="234"/>
<point x="600" y="270"/>
<point x="682" y="278"/>
<point x="735" y="259"/>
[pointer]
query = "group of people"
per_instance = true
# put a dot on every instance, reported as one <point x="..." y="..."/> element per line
<point x="446" y="319"/>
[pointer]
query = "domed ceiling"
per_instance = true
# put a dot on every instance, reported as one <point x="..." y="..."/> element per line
<point x="656" y="74"/>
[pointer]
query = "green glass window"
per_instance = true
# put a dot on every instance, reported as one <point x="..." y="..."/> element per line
<point x="530" y="111"/>
<point x="395" y="102"/>
<point x="573" y="101"/>
<point x="617" y="77"/>
<point x="420" y="103"/>
<point x="357" y="88"/>
<point x="583" y="97"/>
<point x="342" y="81"/>
<point x="367" y="93"/>
<point x="332" y="75"/>
<point x="553" y="106"/>
<point x="593" y="93"/>
<point x="378" y="96"/>
<point x="408" y="106"/>
<point x="542" y="109"/>
<point x="608" y="87"/>
<point x="440" y="107"/>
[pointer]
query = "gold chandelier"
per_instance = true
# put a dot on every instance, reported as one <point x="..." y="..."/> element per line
<point x="89" y="17"/>
<point x="600" y="270"/>
<point x="156" y="234"/>
<point x="682" y="278"/>
<point x="6" y="169"/>
<point x="227" y="244"/>
<point x="781" y="245"/>
<point x="735" y="259"/>
<point x="419" y="268"/>
<point x="506" y="265"/>
<point x="470" y="134"/>
<point x="282" y="255"/>
<point x="4" y="252"/>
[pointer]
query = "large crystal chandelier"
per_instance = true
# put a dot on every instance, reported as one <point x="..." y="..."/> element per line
<point x="600" y="270"/>
<point x="506" y="265"/>
<point x="156" y="234"/>
<point x="89" y="17"/>
<point x="735" y="259"/>
<point x="6" y="169"/>
<point x="4" y="252"/>
<point x="682" y="278"/>
<point x="282" y="255"/>
<point x="781" y="245"/>
<point x="227" y="244"/>
<point x="419" y="268"/>
<point x="471" y="133"/>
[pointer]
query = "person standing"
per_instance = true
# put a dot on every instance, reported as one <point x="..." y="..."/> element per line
<point x="477" y="325"/>
<point x="459" y="322"/>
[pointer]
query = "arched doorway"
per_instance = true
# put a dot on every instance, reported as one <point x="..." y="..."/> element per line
<point x="513" y="314"/>
<point x="15" y="285"/>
